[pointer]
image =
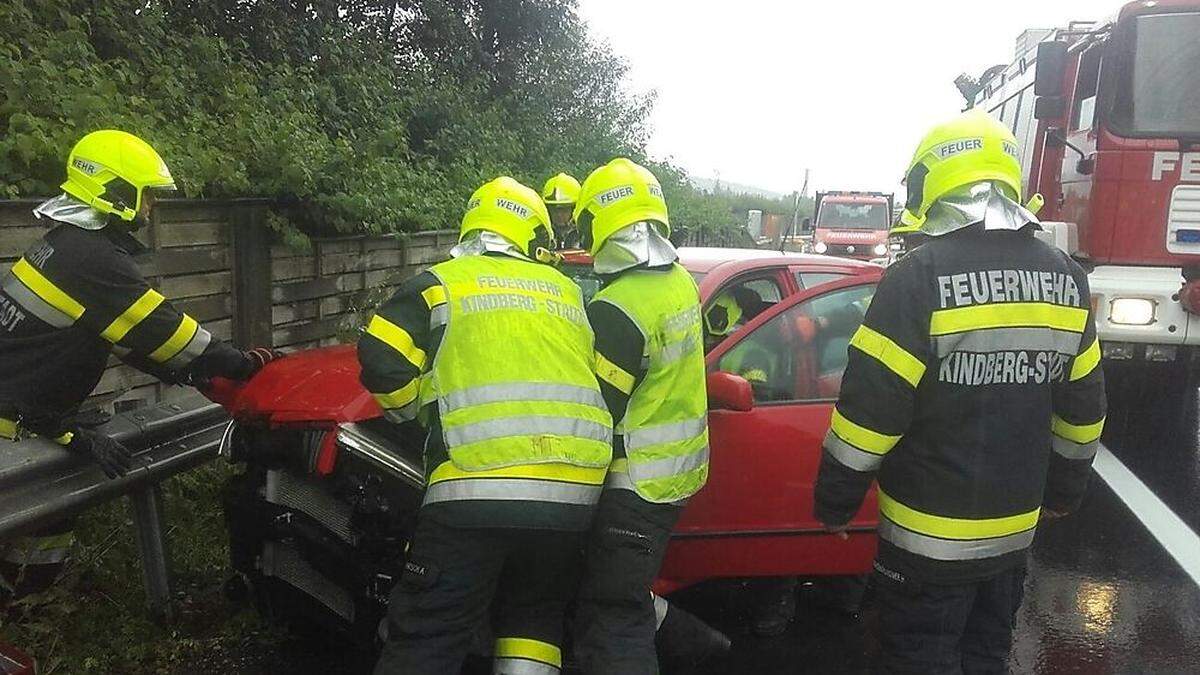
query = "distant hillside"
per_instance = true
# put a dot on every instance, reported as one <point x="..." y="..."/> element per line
<point x="710" y="184"/>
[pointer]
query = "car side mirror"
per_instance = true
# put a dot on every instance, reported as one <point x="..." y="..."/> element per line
<point x="727" y="391"/>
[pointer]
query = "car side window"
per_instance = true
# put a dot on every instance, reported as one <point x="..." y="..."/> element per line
<point x="751" y="297"/>
<point x="814" y="279"/>
<point x="801" y="354"/>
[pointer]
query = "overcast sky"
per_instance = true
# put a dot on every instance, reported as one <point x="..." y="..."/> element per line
<point x="758" y="90"/>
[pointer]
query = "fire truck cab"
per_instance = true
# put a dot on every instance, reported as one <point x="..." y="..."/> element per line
<point x="1107" y="115"/>
<point x="852" y="224"/>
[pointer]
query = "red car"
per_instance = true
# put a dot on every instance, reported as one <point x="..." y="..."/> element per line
<point x="323" y="511"/>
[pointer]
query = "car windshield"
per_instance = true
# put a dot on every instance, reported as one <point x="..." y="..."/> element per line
<point x="853" y="216"/>
<point x="1159" y="94"/>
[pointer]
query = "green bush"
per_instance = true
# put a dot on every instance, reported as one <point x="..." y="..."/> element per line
<point x="356" y="115"/>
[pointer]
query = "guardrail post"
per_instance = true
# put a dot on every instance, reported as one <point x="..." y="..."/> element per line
<point x="148" y="524"/>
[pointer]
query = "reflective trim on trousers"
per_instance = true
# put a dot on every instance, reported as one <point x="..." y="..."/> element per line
<point x="521" y="391"/>
<point x="9" y="429"/>
<point x="670" y="353"/>
<point x="519" y="666"/>
<point x="660" y="610"/>
<point x="524" y="653"/>
<point x="1009" y="339"/>
<point x="528" y="425"/>
<point x="953" y="549"/>
<point x="512" y="489"/>
<point x="670" y="466"/>
<point x="665" y="433"/>
<point x="30" y="302"/>
<point x="1072" y="450"/>
<point x="439" y="316"/>
<point x="850" y="456"/>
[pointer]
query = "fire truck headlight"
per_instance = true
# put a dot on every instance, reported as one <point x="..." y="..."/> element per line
<point x="880" y="249"/>
<point x="820" y="247"/>
<point x="1131" y="311"/>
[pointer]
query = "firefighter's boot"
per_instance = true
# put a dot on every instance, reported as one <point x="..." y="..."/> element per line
<point x="684" y="641"/>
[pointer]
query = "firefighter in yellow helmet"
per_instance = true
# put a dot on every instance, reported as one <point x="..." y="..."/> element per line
<point x="492" y="352"/>
<point x="75" y="297"/>
<point x="560" y="194"/>
<point x="974" y="395"/>
<point x="650" y="362"/>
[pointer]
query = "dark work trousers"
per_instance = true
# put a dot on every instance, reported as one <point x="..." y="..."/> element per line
<point x="615" y="619"/>
<point x="453" y="575"/>
<point x="943" y="630"/>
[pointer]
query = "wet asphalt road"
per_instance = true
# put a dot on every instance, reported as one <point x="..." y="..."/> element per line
<point x="1103" y="596"/>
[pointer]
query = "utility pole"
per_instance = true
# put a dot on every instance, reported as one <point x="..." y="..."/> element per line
<point x="795" y="212"/>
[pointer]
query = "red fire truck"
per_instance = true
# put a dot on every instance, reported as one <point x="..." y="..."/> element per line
<point x="852" y="224"/>
<point x="1107" y="115"/>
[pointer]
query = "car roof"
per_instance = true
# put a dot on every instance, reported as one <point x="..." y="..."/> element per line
<point x="707" y="259"/>
<point x="723" y="263"/>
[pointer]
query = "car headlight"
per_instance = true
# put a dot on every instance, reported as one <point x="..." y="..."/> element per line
<point x="880" y="249"/>
<point x="820" y="247"/>
<point x="1131" y="311"/>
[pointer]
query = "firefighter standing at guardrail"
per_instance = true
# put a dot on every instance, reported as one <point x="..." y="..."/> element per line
<point x="974" y="392"/>
<point x="493" y="352"/>
<point x="560" y="193"/>
<point x="650" y="361"/>
<point x="74" y="298"/>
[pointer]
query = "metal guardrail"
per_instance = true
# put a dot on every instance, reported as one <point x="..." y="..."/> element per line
<point x="41" y="483"/>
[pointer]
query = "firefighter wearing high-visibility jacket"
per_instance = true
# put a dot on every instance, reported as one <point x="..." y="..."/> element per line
<point x="75" y="297"/>
<point x="493" y="353"/>
<point x="974" y="394"/>
<point x="650" y="361"/>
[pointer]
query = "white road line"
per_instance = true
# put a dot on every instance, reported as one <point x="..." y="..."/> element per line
<point x="1175" y="536"/>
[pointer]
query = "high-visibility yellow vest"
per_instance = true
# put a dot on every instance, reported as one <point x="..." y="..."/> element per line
<point x="665" y="428"/>
<point x="513" y="377"/>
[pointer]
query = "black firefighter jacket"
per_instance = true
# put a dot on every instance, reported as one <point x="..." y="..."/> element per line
<point x="75" y="297"/>
<point x="974" y="394"/>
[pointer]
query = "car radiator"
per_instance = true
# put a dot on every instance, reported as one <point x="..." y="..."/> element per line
<point x="293" y="491"/>
<point x="284" y="562"/>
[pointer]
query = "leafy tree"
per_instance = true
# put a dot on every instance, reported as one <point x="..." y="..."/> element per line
<point x="355" y="115"/>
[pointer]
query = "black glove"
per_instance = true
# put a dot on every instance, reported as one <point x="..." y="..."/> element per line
<point x="259" y="357"/>
<point x="114" y="458"/>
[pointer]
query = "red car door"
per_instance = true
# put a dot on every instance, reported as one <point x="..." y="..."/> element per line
<point x="755" y="515"/>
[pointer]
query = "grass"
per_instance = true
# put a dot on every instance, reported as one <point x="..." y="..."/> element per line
<point x="94" y="619"/>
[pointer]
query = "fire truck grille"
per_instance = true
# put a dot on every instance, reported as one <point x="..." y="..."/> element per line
<point x="284" y="562"/>
<point x="292" y="491"/>
<point x="1183" y="220"/>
